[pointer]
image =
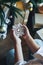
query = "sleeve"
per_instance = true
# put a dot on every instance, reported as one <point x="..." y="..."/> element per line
<point x="40" y="51"/>
<point x="39" y="54"/>
<point x="21" y="63"/>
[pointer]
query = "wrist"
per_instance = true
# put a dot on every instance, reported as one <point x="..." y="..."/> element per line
<point x="28" y="38"/>
<point x="18" y="41"/>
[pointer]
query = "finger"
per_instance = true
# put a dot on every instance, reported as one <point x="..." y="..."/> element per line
<point x="25" y="29"/>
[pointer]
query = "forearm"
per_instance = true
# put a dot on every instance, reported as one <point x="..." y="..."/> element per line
<point x="18" y="51"/>
<point x="32" y="44"/>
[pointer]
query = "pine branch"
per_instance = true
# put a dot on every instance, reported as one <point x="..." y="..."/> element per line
<point x="12" y="8"/>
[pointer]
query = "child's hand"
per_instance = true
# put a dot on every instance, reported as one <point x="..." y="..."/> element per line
<point x="26" y="32"/>
<point x="14" y="37"/>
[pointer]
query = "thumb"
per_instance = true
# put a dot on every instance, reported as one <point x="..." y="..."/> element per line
<point x="16" y="37"/>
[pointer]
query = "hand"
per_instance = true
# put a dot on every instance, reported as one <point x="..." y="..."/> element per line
<point x="14" y="37"/>
<point x="26" y="32"/>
